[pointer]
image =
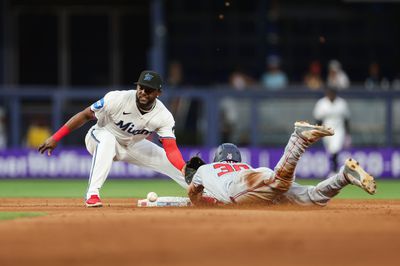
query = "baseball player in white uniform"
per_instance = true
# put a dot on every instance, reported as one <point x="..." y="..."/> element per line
<point x="333" y="111"/>
<point x="124" y="120"/>
<point x="229" y="181"/>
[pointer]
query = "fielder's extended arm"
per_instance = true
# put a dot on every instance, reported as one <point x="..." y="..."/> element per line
<point x="173" y="154"/>
<point x="73" y="123"/>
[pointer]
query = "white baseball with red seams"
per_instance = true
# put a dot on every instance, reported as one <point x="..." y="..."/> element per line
<point x="152" y="196"/>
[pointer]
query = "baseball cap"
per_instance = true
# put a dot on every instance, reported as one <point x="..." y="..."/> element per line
<point x="150" y="79"/>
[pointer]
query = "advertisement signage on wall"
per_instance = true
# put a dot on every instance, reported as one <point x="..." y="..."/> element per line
<point x="76" y="163"/>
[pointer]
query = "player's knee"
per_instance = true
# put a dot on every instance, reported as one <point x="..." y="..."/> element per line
<point x="281" y="184"/>
<point x="109" y="140"/>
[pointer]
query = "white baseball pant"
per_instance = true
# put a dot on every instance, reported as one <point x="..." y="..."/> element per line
<point x="105" y="149"/>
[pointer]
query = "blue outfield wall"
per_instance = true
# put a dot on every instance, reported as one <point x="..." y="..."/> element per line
<point x="266" y="117"/>
<point x="75" y="163"/>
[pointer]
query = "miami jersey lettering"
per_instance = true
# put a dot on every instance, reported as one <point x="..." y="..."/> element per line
<point x="118" y="113"/>
<point x="130" y="128"/>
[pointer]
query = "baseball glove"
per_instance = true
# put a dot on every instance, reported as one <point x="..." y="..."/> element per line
<point x="191" y="167"/>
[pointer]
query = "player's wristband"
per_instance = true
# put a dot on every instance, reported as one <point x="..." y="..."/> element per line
<point x="62" y="132"/>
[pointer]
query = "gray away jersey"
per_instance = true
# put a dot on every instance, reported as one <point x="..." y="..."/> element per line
<point x="228" y="181"/>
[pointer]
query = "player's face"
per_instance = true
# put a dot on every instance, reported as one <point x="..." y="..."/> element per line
<point x="331" y="95"/>
<point x="146" y="96"/>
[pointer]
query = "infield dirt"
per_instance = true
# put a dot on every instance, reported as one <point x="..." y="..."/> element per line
<point x="346" y="232"/>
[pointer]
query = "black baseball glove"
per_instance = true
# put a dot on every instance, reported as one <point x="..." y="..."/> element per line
<point x="191" y="167"/>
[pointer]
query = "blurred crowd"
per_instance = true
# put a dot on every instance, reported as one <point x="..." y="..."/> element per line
<point x="187" y="112"/>
<point x="274" y="77"/>
<point x="317" y="77"/>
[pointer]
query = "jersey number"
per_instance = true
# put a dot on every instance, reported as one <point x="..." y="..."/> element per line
<point x="228" y="168"/>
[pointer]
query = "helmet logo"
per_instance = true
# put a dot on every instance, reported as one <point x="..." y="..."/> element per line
<point x="148" y="77"/>
<point x="229" y="156"/>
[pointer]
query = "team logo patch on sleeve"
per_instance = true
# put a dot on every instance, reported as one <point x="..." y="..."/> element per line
<point x="99" y="104"/>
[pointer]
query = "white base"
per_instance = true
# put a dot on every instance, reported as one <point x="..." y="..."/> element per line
<point x="166" y="202"/>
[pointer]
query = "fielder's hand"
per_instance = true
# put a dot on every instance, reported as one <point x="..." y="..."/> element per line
<point x="183" y="170"/>
<point x="49" y="145"/>
<point x="191" y="168"/>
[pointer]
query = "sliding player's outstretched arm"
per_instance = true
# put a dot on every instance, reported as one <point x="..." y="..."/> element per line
<point x="195" y="194"/>
<point x="198" y="198"/>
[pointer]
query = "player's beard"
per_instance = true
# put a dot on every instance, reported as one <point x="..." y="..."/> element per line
<point x="144" y="103"/>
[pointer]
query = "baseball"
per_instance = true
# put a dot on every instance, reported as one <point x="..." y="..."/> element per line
<point x="152" y="196"/>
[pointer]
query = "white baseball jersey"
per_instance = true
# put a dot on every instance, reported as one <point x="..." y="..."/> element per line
<point x="119" y="114"/>
<point x="226" y="182"/>
<point x="333" y="114"/>
<point x="120" y="133"/>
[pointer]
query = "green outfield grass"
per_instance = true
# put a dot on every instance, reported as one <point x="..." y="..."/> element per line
<point x="15" y="215"/>
<point x="387" y="189"/>
<point x="77" y="188"/>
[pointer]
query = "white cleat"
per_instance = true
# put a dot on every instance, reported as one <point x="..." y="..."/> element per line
<point x="312" y="132"/>
<point x="356" y="175"/>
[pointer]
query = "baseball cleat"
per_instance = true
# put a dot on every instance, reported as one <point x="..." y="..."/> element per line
<point x="311" y="132"/>
<point x="93" y="201"/>
<point x="354" y="173"/>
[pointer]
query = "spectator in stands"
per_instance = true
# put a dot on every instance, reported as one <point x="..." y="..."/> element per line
<point x="239" y="80"/>
<point x="337" y="78"/>
<point x="274" y="78"/>
<point x="183" y="109"/>
<point x="313" y="79"/>
<point x="175" y="74"/>
<point x="232" y="111"/>
<point x="3" y="134"/>
<point x="375" y="81"/>
<point x="333" y="111"/>
<point x="174" y="81"/>
<point x="37" y="133"/>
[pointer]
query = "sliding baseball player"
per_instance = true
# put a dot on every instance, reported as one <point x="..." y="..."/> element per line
<point x="229" y="181"/>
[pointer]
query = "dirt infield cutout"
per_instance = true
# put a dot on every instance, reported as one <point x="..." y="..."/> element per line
<point x="346" y="232"/>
